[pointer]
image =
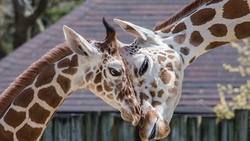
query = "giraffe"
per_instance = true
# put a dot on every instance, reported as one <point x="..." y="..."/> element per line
<point x="29" y="103"/>
<point x="157" y="58"/>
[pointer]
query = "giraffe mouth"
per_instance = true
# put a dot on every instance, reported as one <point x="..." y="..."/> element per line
<point x="153" y="132"/>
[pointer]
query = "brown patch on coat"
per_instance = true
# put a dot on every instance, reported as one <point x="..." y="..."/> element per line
<point x="164" y="76"/>
<point x="161" y="59"/>
<point x="235" y="9"/>
<point x="179" y="27"/>
<point x="50" y="96"/>
<point x="202" y="16"/>
<point x="38" y="114"/>
<point x="242" y="30"/>
<point x="24" y="98"/>
<point x="143" y="97"/>
<point x="170" y="51"/>
<point x="169" y="66"/>
<point x="110" y="96"/>
<point x="6" y="135"/>
<point x="99" y="88"/>
<point x="156" y="103"/>
<point x="98" y="78"/>
<point x="152" y="93"/>
<point x="107" y="87"/>
<point x="63" y="63"/>
<point x="89" y="76"/>
<point x="171" y="46"/>
<point x="154" y="84"/>
<point x="160" y="93"/>
<point x="215" y="44"/>
<point x="64" y="82"/>
<point x="185" y="50"/>
<point x="14" y="118"/>
<point x="28" y="133"/>
<point x="218" y="30"/>
<point x="179" y="39"/>
<point x="162" y="53"/>
<point x="46" y="76"/>
<point x="192" y="60"/>
<point x="196" y="39"/>
<point x="71" y="65"/>
<point x="170" y="56"/>
<point x="184" y="12"/>
<point x="70" y="71"/>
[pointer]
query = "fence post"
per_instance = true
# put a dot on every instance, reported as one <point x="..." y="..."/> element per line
<point x="241" y="125"/>
<point x="227" y="130"/>
<point x="209" y="129"/>
<point x="194" y="128"/>
<point x="77" y="128"/>
<point x="125" y="131"/>
<point x="91" y="126"/>
<point x="107" y="124"/>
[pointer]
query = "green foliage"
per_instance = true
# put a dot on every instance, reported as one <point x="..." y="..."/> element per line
<point x="240" y="95"/>
<point x="57" y="10"/>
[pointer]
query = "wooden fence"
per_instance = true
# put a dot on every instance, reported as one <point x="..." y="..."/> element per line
<point x="96" y="126"/>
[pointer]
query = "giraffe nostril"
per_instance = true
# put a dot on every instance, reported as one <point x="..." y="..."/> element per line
<point x="141" y="122"/>
<point x="152" y="134"/>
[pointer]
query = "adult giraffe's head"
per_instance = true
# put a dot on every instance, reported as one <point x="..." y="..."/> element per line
<point x="158" y="57"/>
<point x="156" y="73"/>
<point x="104" y="72"/>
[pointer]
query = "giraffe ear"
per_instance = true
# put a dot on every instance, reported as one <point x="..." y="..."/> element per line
<point x="137" y="31"/>
<point x="77" y="43"/>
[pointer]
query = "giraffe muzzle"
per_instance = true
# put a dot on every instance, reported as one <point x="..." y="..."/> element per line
<point x="153" y="132"/>
<point x="153" y="126"/>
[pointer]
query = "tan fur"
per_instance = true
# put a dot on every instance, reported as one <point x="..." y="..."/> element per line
<point x="181" y="14"/>
<point x="28" y="76"/>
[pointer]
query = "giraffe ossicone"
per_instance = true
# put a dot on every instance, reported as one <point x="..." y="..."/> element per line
<point x="158" y="57"/>
<point x="29" y="103"/>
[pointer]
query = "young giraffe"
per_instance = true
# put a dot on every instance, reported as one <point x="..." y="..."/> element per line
<point x="158" y="58"/>
<point x="28" y="104"/>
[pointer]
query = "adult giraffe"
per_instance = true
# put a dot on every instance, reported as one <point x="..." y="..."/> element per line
<point x="157" y="58"/>
<point x="32" y="99"/>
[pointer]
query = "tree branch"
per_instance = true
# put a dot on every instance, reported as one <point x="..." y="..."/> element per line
<point x="41" y="6"/>
<point x="18" y="10"/>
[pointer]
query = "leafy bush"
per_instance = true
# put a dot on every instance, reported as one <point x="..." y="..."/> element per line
<point x="241" y="95"/>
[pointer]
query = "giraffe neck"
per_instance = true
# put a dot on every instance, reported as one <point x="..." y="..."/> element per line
<point x="28" y="113"/>
<point x="211" y="25"/>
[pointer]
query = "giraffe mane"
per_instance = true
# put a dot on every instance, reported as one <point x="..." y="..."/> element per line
<point x="28" y="76"/>
<point x="185" y="11"/>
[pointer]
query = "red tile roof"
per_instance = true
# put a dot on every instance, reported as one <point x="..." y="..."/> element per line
<point x="201" y="78"/>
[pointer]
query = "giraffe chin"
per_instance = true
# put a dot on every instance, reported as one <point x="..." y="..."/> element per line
<point x="127" y="116"/>
<point x="153" y="126"/>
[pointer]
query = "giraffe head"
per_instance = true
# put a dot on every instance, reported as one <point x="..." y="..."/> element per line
<point x="156" y="73"/>
<point x="102" y="71"/>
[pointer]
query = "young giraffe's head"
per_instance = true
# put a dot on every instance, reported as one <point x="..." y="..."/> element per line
<point x="28" y="104"/>
<point x="104" y="71"/>
<point x="156" y="73"/>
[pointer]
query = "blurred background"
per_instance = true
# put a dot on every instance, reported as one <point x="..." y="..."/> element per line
<point x="20" y="20"/>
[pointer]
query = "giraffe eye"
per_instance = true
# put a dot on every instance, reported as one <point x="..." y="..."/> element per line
<point x="115" y="71"/>
<point x="144" y="67"/>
